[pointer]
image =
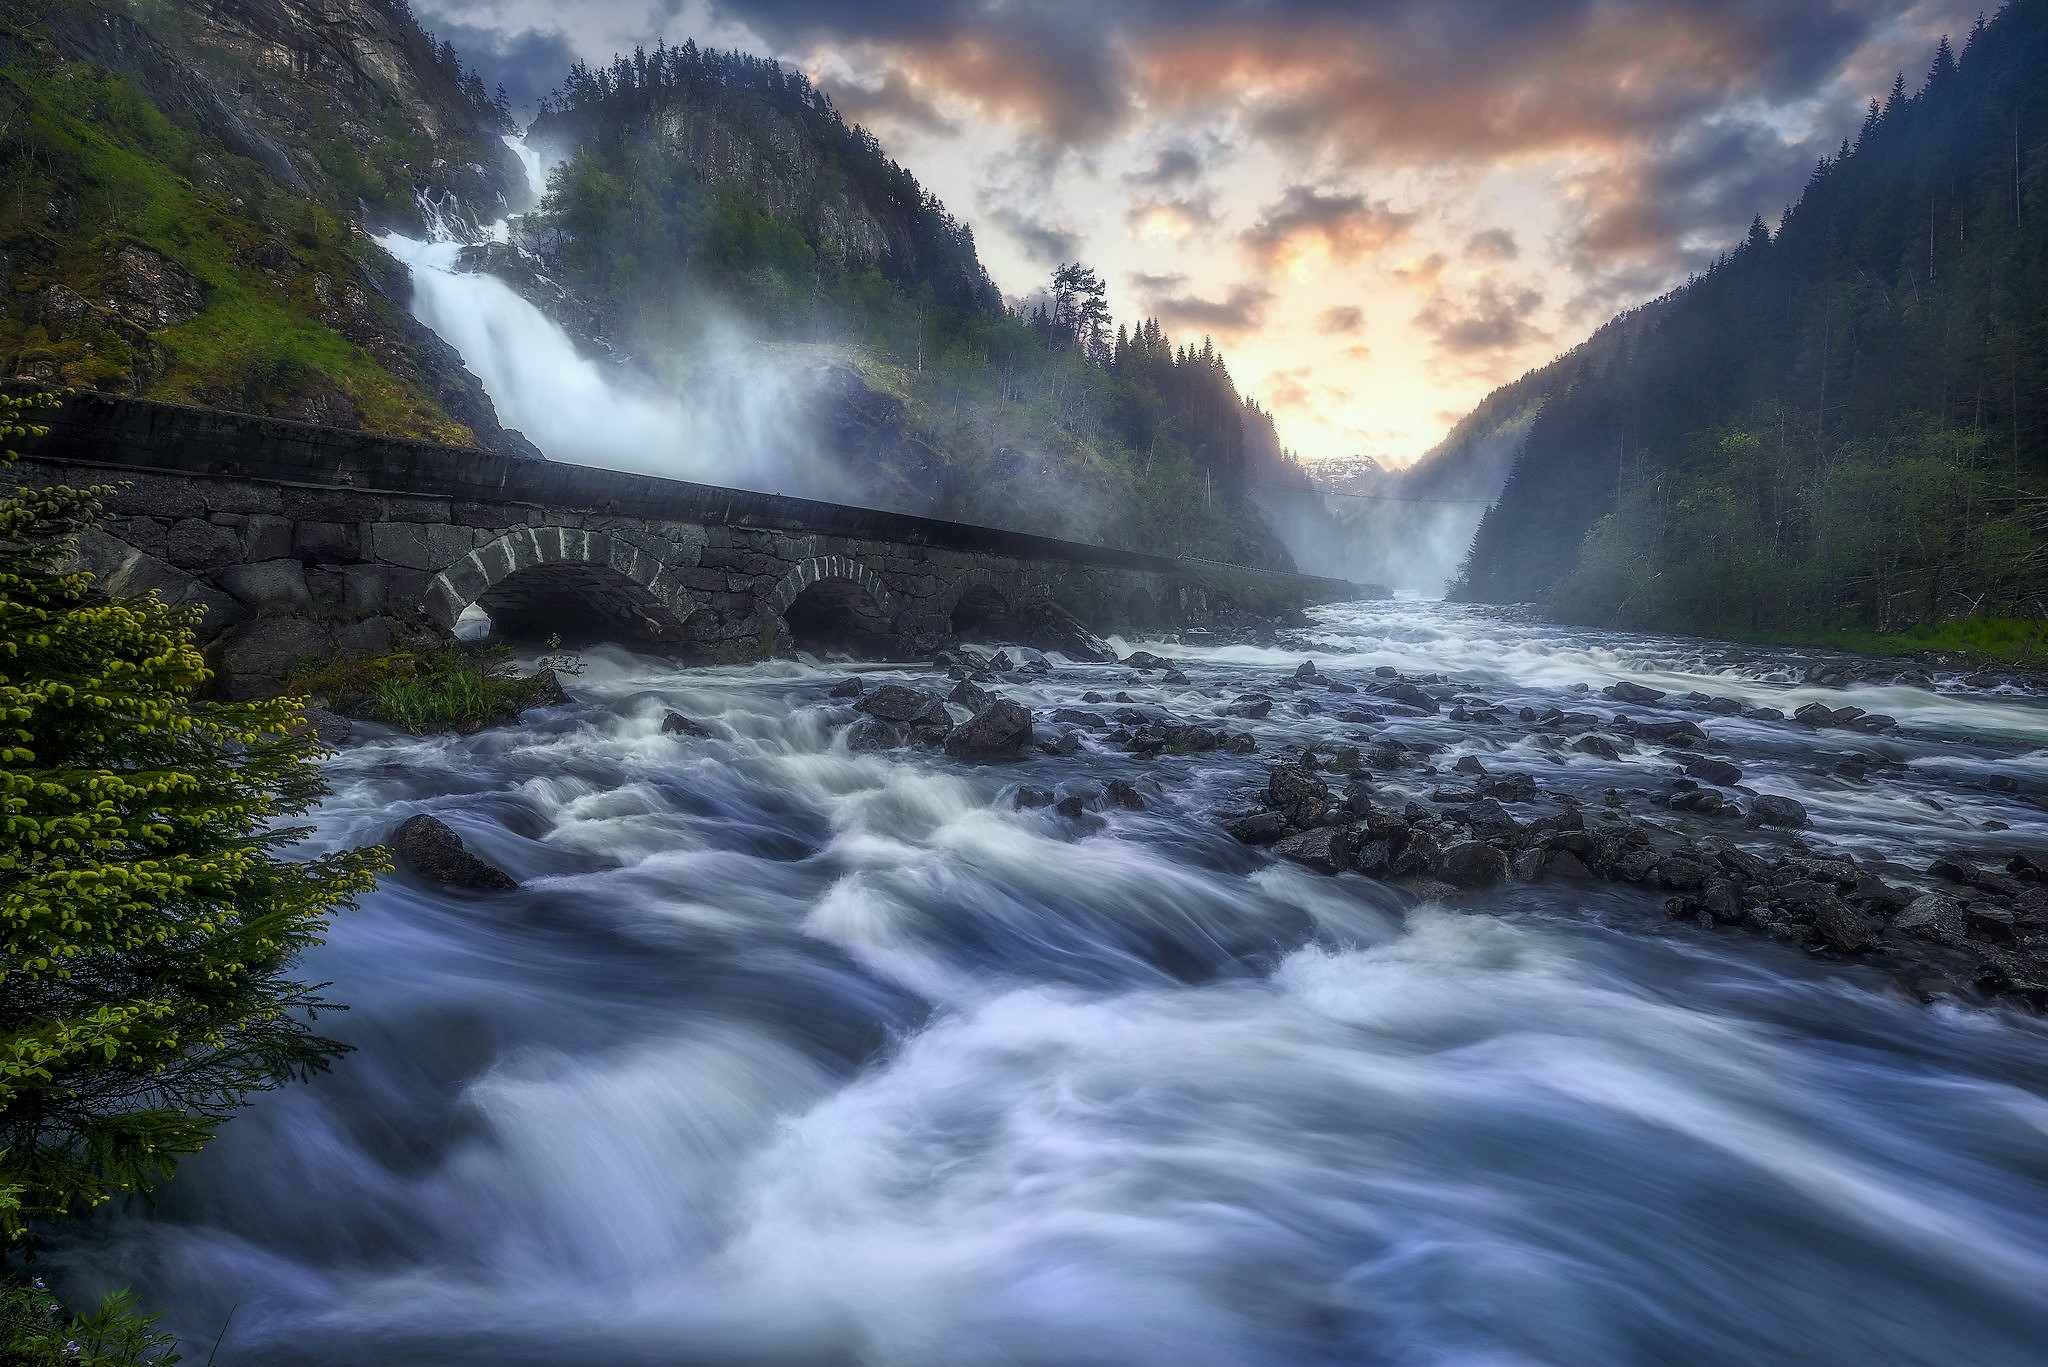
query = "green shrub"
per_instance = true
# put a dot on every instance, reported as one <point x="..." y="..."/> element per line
<point x="35" y="1331"/>
<point x="456" y="689"/>
<point x="149" y="914"/>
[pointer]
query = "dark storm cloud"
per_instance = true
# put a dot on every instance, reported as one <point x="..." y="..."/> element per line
<point x="1490" y="318"/>
<point x="1344" y="225"/>
<point x="1047" y="243"/>
<point x="891" y="100"/>
<point x="1170" y="166"/>
<point x="1147" y="284"/>
<point x="1241" y="309"/>
<point x="528" y="63"/>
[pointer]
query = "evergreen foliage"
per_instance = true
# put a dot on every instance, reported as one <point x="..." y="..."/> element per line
<point x="1842" y="424"/>
<point x="700" y="173"/>
<point x="149" y="915"/>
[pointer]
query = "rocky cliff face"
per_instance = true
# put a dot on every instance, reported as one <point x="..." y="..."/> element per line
<point x="190" y="183"/>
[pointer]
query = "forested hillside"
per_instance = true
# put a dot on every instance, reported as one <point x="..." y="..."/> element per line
<point x="1842" y="424"/>
<point x="179" y="188"/>
<point x="709" y="193"/>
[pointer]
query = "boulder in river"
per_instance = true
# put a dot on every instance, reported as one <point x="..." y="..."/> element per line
<point x="1300" y="797"/>
<point x="676" y="724"/>
<point x="427" y="846"/>
<point x="998" y="731"/>
<point x="1472" y="864"/>
<point x="921" y="715"/>
<point x="1324" y="849"/>
<point x="1622" y="690"/>
<point x="1772" y="810"/>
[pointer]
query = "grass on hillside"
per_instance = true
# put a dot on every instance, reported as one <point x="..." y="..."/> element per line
<point x="1983" y="640"/>
<point x="93" y="143"/>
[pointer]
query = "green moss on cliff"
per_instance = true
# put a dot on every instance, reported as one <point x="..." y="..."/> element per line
<point x="235" y="293"/>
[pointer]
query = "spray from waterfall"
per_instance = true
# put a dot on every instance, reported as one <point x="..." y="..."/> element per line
<point x="745" y="424"/>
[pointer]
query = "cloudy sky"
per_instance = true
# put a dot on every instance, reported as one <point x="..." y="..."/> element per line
<point x="1380" y="209"/>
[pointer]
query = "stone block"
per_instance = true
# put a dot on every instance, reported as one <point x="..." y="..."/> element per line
<point x="266" y="583"/>
<point x="327" y="543"/>
<point x="145" y="534"/>
<point x="193" y="543"/>
<point x="266" y="537"/>
<point x="418" y="546"/>
<point x="152" y="495"/>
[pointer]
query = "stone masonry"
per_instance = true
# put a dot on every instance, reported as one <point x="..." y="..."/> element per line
<point x="297" y="541"/>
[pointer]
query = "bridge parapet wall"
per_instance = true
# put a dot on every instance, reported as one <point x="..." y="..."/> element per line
<point x="283" y="566"/>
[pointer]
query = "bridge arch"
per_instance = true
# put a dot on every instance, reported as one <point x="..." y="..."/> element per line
<point x="830" y="600"/>
<point x="563" y="580"/>
<point x="982" y="606"/>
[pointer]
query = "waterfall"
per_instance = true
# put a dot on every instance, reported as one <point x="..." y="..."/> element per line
<point x="744" y="424"/>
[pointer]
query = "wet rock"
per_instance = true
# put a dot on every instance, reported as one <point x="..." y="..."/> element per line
<point x="849" y="688"/>
<point x="999" y="731"/>
<point x="676" y="724"/>
<point x="1622" y="690"/>
<point x="330" y="730"/>
<point x="1324" y="849"/>
<point x="1305" y="670"/>
<point x="970" y="695"/>
<point x="1513" y="786"/>
<point x="1597" y="745"/>
<point x="429" y="848"/>
<point x="921" y="716"/>
<point x="1031" y="798"/>
<point x="1669" y="732"/>
<point x="1454" y="795"/>
<point x="1411" y="696"/>
<point x="1251" y="706"/>
<point x="1121" y="793"/>
<point x="1715" y="771"/>
<point x="1772" y="810"/>
<point x="1815" y="715"/>
<point x="1840" y="926"/>
<point x="1473" y="864"/>
<point x="1680" y="874"/>
<point x="1469" y="764"/>
<point x="1828" y="674"/>
<point x="1259" y="828"/>
<point x="871" y="733"/>
<point x="1763" y="714"/>
<point x="1145" y="659"/>
<point x="1065" y="743"/>
<point x="1528" y="866"/>
<point x="1241" y="743"/>
<point x="1298" y="796"/>
<point x="1567" y="864"/>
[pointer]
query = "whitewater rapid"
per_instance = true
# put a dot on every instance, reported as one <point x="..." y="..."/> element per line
<point x="792" y="1054"/>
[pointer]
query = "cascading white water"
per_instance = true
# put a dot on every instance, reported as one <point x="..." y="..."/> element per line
<point x="745" y="424"/>
<point x="791" y="1054"/>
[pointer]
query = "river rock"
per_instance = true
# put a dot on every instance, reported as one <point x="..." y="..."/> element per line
<point x="427" y="846"/>
<point x="921" y="715"/>
<point x="1815" y="714"/>
<point x="998" y="731"/>
<point x="676" y="724"/>
<point x="1623" y="690"/>
<point x="1300" y="797"/>
<point x="849" y="688"/>
<point x="1716" y="771"/>
<point x="330" y="730"/>
<point x="1324" y="849"/>
<point x="1772" y="810"/>
<point x="1473" y="864"/>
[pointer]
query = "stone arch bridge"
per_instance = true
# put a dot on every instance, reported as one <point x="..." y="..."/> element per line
<point x="297" y="540"/>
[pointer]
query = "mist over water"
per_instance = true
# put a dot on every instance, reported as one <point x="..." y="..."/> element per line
<point x="791" y="1054"/>
<point x="746" y="423"/>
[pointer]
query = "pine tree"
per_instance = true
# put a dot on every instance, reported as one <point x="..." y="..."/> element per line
<point x="149" y="915"/>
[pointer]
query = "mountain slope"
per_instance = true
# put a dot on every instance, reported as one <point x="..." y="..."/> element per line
<point x="182" y="184"/>
<point x="1839" y="423"/>
<point x="706" y="202"/>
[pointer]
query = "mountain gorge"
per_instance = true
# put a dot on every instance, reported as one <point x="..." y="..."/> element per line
<point x="1844" y="423"/>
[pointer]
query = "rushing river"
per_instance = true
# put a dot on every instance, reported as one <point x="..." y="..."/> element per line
<point x="786" y="1054"/>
